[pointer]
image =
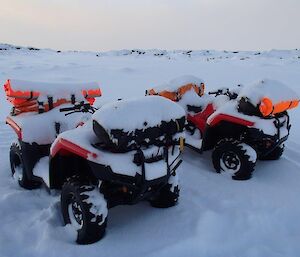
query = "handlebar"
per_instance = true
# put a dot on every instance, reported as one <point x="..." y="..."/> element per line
<point x="79" y="107"/>
<point x="224" y="91"/>
<point x="218" y="92"/>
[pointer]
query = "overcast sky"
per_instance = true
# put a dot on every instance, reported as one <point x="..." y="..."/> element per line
<point x="166" y="24"/>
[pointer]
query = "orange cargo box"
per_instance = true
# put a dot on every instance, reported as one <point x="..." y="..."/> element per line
<point x="25" y="96"/>
<point x="177" y="94"/>
<point x="267" y="107"/>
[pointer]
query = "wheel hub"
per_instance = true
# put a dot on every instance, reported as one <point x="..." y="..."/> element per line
<point x="75" y="214"/>
<point x="230" y="161"/>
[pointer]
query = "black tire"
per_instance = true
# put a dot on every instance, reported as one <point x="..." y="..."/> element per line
<point x="236" y="157"/>
<point x="18" y="169"/>
<point x="274" y="155"/>
<point x="84" y="207"/>
<point x="168" y="195"/>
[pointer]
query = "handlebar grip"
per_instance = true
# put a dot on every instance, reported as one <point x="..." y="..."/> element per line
<point x="67" y="109"/>
<point x="214" y="92"/>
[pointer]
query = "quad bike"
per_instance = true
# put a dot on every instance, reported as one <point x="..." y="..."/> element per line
<point x="100" y="158"/>
<point x="239" y="125"/>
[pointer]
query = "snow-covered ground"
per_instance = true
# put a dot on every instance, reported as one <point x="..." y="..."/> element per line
<point x="216" y="216"/>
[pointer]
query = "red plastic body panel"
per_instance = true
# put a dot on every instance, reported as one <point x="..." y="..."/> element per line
<point x="231" y="119"/>
<point x="66" y="147"/>
<point x="15" y="127"/>
<point x="200" y="118"/>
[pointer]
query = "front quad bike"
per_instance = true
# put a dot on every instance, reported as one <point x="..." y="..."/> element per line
<point x="125" y="152"/>
<point x="128" y="152"/>
<point x="240" y="125"/>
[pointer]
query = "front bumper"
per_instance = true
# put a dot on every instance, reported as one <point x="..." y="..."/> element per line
<point x="272" y="133"/>
<point x="154" y="174"/>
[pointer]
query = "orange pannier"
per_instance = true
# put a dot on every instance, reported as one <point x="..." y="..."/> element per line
<point x="267" y="107"/>
<point x="177" y="94"/>
<point x="19" y="97"/>
<point x="91" y="94"/>
<point x="27" y="101"/>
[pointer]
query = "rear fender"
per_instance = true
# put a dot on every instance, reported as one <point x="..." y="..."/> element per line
<point x="15" y="127"/>
<point x="222" y="126"/>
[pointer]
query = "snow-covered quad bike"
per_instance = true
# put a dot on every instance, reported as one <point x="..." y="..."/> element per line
<point x="36" y="119"/>
<point x="240" y="125"/>
<point x="123" y="153"/>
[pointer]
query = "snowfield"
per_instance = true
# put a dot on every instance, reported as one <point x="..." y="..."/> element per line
<point x="216" y="216"/>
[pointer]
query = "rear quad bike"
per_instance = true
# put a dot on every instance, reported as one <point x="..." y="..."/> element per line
<point x="239" y="125"/>
<point x="123" y="153"/>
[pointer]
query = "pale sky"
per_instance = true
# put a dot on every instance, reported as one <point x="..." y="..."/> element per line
<point x="101" y="25"/>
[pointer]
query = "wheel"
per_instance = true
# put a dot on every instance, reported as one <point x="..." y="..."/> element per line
<point x="274" y="155"/>
<point x="18" y="169"/>
<point x="237" y="158"/>
<point x="168" y="195"/>
<point x="84" y="207"/>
